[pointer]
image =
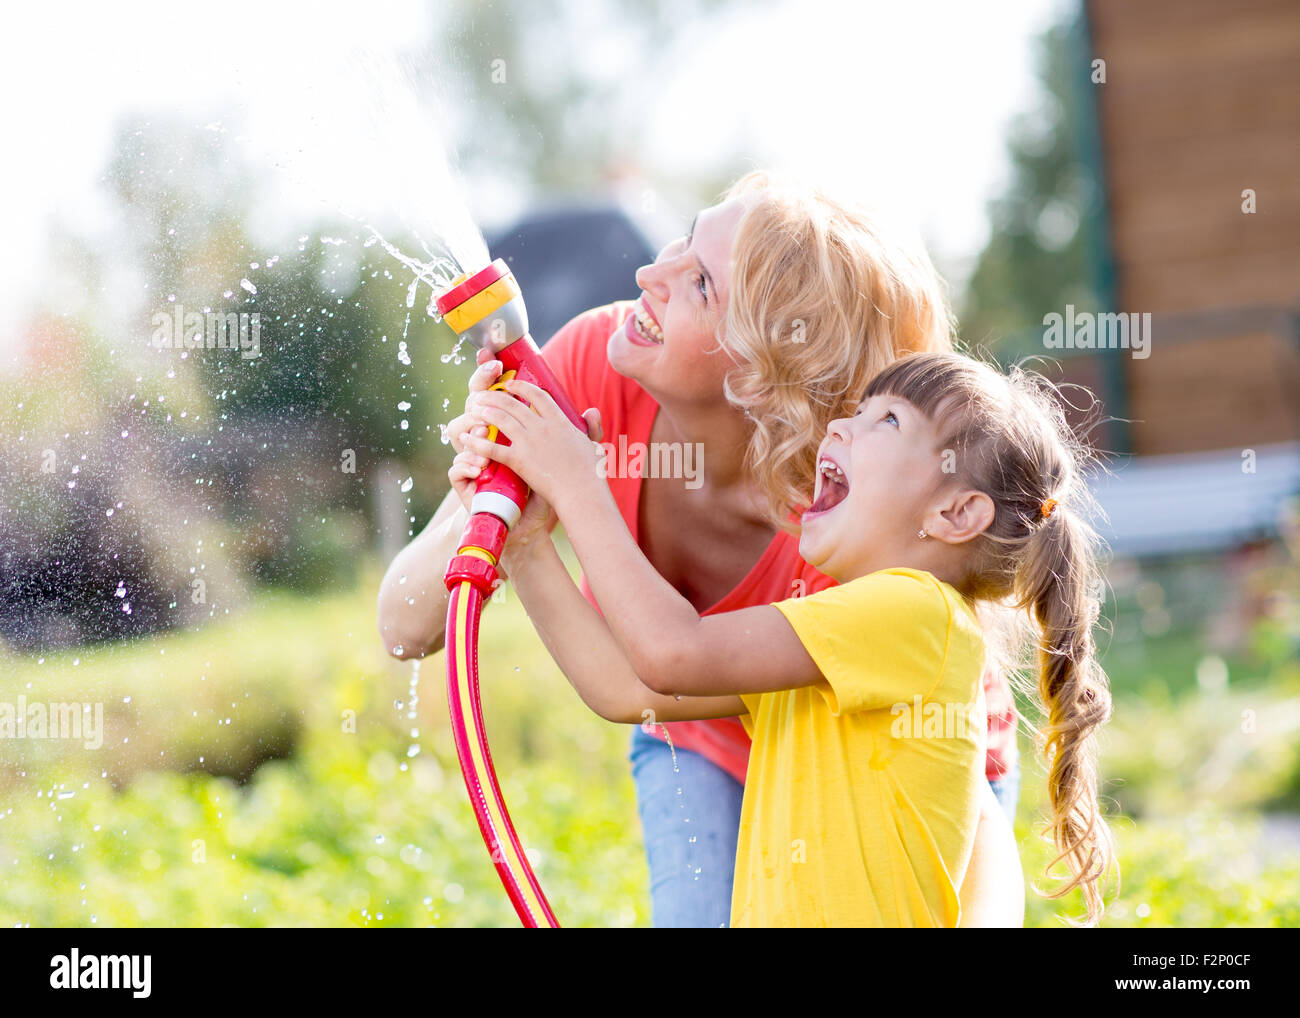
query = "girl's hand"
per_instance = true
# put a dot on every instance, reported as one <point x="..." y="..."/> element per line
<point x="545" y="449"/>
<point x="484" y="376"/>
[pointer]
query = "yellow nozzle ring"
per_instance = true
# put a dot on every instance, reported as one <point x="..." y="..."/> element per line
<point x="500" y="386"/>
<point x="465" y="315"/>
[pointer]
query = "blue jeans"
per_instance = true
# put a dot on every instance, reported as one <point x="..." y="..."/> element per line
<point x="690" y="820"/>
<point x="1007" y="789"/>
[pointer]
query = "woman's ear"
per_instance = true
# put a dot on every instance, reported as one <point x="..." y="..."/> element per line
<point x="966" y="515"/>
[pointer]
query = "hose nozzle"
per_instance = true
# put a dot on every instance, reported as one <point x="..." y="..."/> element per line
<point x="487" y="308"/>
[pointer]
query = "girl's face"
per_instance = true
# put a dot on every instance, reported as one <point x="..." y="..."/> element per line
<point x="878" y="473"/>
<point x="669" y="344"/>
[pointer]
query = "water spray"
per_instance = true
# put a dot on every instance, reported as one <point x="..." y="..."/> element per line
<point x="487" y="309"/>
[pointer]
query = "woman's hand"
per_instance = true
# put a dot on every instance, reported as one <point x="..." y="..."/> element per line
<point x="536" y="523"/>
<point x="555" y="459"/>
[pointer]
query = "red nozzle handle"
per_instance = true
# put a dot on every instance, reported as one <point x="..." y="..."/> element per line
<point x="526" y="360"/>
<point x="523" y="357"/>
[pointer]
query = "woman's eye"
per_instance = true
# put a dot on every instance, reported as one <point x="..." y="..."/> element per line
<point x="704" y="290"/>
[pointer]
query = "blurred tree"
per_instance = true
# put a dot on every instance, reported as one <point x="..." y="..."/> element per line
<point x="1042" y="252"/>
<point x="550" y="116"/>
<point x="332" y="315"/>
<point x="286" y="446"/>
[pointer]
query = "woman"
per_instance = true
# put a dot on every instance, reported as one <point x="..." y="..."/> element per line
<point x="753" y="332"/>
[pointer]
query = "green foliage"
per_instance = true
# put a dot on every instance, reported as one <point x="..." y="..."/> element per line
<point x="1207" y="869"/>
<point x="1043" y="227"/>
<point x="1168" y="758"/>
<point x="341" y="836"/>
<point x="557" y="126"/>
<point x="318" y="815"/>
<point x="350" y="827"/>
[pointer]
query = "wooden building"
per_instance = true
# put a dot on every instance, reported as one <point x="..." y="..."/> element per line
<point x="1195" y="136"/>
<point x="1198" y="125"/>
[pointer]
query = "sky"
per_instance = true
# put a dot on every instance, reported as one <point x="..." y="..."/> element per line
<point x="904" y="105"/>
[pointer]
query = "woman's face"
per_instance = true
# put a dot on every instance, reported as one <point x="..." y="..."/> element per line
<point x="669" y="344"/>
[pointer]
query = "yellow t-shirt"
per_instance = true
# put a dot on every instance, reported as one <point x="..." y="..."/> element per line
<point x="862" y="794"/>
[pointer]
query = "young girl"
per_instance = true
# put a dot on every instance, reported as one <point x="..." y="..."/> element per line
<point x="952" y="484"/>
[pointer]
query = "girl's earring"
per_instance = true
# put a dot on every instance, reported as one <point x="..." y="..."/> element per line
<point x="922" y="534"/>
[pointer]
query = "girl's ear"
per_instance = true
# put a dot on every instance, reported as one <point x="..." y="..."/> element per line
<point x="967" y="514"/>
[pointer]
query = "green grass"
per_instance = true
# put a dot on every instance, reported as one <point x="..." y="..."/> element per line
<point x="336" y="825"/>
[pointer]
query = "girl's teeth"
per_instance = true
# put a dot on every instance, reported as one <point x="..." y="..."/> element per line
<point x="829" y="468"/>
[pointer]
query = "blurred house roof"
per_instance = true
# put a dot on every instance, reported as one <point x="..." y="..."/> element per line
<point x="1159" y="505"/>
<point x="571" y="258"/>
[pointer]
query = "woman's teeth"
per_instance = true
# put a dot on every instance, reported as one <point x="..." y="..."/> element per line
<point x="646" y="326"/>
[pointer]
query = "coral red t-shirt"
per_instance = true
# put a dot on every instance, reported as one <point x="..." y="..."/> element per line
<point x="577" y="355"/>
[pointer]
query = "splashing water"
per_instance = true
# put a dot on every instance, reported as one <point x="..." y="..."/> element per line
<point x="438" y="273"/>
<point x="392" y="110"/>
<point x="413" y="701"/>
<point x="681" y="803"/>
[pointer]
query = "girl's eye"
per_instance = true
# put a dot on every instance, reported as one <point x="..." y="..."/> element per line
<point x="704" y="290"/>
<point x="889" y="416"/>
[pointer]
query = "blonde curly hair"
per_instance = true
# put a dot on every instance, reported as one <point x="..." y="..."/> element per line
<point x="821" y="301"/>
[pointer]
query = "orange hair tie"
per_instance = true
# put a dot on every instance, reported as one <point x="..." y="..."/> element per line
<point x="1048" y="508"/>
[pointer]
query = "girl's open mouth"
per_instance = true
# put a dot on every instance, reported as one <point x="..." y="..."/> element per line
<point x="834" y="487"/>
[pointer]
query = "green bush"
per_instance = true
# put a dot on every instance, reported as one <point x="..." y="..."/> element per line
<point x="319" y="815"/>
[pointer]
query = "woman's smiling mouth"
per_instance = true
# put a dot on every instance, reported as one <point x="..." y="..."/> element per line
<point x="641" y="327"/>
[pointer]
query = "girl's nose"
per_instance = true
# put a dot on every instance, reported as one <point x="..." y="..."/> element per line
<point x="838" y="429"/>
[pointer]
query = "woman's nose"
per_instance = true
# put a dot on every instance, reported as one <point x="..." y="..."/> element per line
<point x="652" y="279"/>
